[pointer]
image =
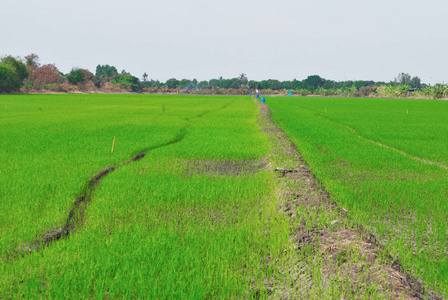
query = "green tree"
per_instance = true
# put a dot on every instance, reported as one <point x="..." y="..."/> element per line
<point x="202" y="85"/>
<point x="183" y="83"/>
<point x="8" y="80"/>
<point x="254" y="85"/>
<point x="17" y="66"/>
<point x="79" y="76"/>
<point x="105" y="71"/>
<point x="403" y="78"/>
<point x="13" y="73"/>
<point x="243" y="81"/>
<point x="145" y="79"/>
<point x="128" y="81"/>
<point x="313" y="82"/>
<point x="214" y="83"/>
<point x="172" y="83"/>
<point x="416" y="83"/>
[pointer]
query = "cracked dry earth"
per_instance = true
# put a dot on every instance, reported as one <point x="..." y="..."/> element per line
<point x="330" y="258"/>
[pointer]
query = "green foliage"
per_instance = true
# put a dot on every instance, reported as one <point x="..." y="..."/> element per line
<point x="79" y="76"/>
<point x="403" y="79"/>
<point x="385" y="161"/>
<point x="128" y="81"/>
<point x="105" y="71"/>
<point x="392" y="90"/>
<point x="8" y="80"/>
<point x="416" y="82"/>
<point x="172" y="83"/>
<point x="313" y="82"/>
<point x="202" y="84"/>
<point x="406" y="80"/>
<point x="17" y="66"/>
<point x="439" y="91"/>
<point x="183" y="83"/>
<point x="13" y="73"/>
<point x="156" y="225"/>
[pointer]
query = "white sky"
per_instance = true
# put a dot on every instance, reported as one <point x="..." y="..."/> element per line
<point x="205" y="39"/>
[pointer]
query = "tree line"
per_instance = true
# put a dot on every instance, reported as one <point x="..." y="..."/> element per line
<point x="27" y="75"/>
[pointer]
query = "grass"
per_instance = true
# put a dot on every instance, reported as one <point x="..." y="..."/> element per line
<point x="153" y="228"/>
<point x="181" y="223"/>
<point x="52" y="145"/>
<point x="396" y="189"/>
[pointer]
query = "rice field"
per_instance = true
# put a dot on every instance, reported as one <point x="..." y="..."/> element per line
<point x="186" y="219"/>
<point x="386" y="162"/>
<point x="190" y="203"/>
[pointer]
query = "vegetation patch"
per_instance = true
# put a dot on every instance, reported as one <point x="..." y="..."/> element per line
<point x="384" y="161"/>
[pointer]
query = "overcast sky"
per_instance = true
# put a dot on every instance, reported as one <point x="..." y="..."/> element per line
<point x="204" y="39"/>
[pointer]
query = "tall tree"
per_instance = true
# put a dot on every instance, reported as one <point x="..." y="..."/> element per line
<point x="403" y="79"/>
<point x="313" y="82"/>
<point x="32" y="61"/>
<point x="243" y="81"/>
<point x="172" y="83"/>
<point x="105" y="71"/>
<point x="416" y="83"/>
<point x="145" y="79"/>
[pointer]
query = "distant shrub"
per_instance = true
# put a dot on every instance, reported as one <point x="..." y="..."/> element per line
<point x="79" y="76"/>
<point x="439" y="91"/>
<point x="46" y="76"/>
<point x="127" y="81"/>
<point x="13" y="73"/>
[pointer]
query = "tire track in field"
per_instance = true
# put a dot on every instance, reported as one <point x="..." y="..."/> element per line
<point x="75" y="217"/>
<point x="423" y="160"/>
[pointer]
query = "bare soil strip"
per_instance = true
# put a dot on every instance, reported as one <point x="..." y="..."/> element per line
<point x="225" y="167"/>
<point x="343" y="253"/>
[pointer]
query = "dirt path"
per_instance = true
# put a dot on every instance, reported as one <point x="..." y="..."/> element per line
<point x="334" y="256"/>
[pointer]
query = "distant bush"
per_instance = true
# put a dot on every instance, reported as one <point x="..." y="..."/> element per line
<point x="45" y="76"/>
<point x="439" y="91"/>
<point x="79" y="76"/>
<point x="13" y="73"/>
<point x="127" y="81"/>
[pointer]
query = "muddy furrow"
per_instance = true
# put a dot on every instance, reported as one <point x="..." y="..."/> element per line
<point x="335" y="243"/>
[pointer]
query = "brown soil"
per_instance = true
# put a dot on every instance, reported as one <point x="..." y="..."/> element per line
<point x="225" y="167"/>
<point x="346" y="253"/>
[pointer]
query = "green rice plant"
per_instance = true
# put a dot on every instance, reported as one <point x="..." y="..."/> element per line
<point x="386" y="162"/>
<point x="158" y="227"/>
